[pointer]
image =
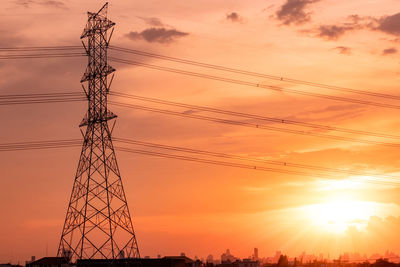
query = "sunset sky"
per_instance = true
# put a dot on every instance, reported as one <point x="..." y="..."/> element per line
<point x="201" y="209"/>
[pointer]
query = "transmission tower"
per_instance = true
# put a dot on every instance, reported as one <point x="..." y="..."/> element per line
<point x="98" y="223"/>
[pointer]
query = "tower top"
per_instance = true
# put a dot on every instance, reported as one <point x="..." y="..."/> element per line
<point x="102" y="12"/>
<point x="97" y="22"/>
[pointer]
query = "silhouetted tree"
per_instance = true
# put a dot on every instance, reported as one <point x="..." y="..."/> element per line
<point x="383" y="263"/>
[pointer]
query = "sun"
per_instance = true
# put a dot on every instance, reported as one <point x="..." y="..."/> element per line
<point x="342" y="209"/>
<point x="337" y="215"/>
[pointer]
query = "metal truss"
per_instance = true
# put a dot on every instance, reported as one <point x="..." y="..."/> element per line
<point x="98" y="223"/>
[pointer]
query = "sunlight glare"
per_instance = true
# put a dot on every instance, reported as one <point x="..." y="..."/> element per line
<point x="342" y="209"/>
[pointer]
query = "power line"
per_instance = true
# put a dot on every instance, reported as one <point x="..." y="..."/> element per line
<point x="253" y="84"/>
<point x="40" y="95"/>
<point x="217" y="78"/>
<point x="40" y="52"/>
<point x="5" y="147"/>
<point x="238" y="165"/>
<point x="252" y="116"/>
<point x="74" y="142"/>
<point x="235" y="81"/>
<point x="215" y="162"/>
<point x="40" y="55"/>
<point x="70" y="97"/>
<point x="34" y="101"/>
<point x="77" y="142"/>
<point x="205" y="65"/>
<point x="328" y="172"/>
<point x="245" y="158"/>
<point x="77" y="96"/>
<point x="250" y="73"/>
<point x="40" y="48"/>
<point x="40" y="98"/>
<point x="251" y="125"/>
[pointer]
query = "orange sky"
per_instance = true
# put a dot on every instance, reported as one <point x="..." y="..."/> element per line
<point x="203" y="209"/>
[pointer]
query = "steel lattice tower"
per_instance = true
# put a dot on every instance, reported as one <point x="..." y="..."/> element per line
<point x="98" y="223"/>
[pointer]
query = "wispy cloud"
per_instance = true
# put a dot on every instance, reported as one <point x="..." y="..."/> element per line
<point x="53" y="3"/>
<point x="24" y="3"/>
<point x="190" y="111"/>
<point x="152" y="21"/>
<point x="157" y="35"/>
<point x="48" y="3"/>
<point x="343" y="50"/>
<point x="389" y="24"/>
<point x="333" y="32"/>
<point x="336" y="31"/>
<point x="389" y="51"/>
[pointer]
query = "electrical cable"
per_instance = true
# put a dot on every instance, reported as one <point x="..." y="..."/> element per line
<point x="250" y="73"/>
<point x="253" y="84"/>
<point x="328" y="172"/>
<point x="249" y="124"/>
<point x="251" y="116"/>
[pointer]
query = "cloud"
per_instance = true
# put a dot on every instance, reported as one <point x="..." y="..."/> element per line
<point x="333" y="32"/>
<point x="234" y="17"/>
<point x="190" y="111"/>
<point x="293" y="11"/>
<point x="48" y="3"/>
<point x="390" y="24"/>
<point x="157" y="35"/>
<point x="24" y="3"/>
<point x="152" y="21"/>
<point x="333" y="113"/>
<point x="379" y="235"/>
<point x="53" y="3"/>
<point x="389" y="51"/>
<point x="343" y="50"/>
<point x="387" y="24"/>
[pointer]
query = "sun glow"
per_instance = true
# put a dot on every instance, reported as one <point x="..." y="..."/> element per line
<point x="343" y="208"/>
<point x="336" y="216"/>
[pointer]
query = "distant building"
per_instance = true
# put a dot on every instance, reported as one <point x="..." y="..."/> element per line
<point x="49" y="262"/>
<point x="238" y="263"/>
<point x="227" y="257"/>
<point x="33" y="258"/>
<point x="255" y="256"/>
<point x="277" y="256"/>
<point x="169" y="261"/>
<point x="210" y="259"/>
